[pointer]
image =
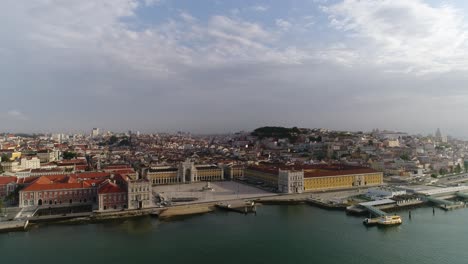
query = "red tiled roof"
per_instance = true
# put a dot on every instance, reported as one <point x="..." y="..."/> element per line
<point x="91" y="175"/>
<point x="322" y="170"/>
<point x="110" y="187"/>
<point x="56" y="186"/>
<point x="7" y="180"/>
<point x="73" y="181"/>
<point x="128" y="171"/>
<point x="325" y="173"/>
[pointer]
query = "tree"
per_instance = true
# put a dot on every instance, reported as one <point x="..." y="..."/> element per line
<point x="442" y="171"/>
<point x="113" y="140"/>
<point x="1" y="207"/>
<point x="5" y="158"/>
<point x="457" y="169"/>
<point x="404" y="157"/>
<point x="69" y="155"/>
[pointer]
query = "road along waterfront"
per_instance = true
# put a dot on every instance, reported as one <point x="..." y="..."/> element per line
<point x="277" y="234"/>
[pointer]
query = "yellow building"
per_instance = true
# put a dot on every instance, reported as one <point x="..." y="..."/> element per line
<point x="320" y="177"/>
<point x="208" y="173"/>
<point x="163" y="175"/>
<point x="344" y="179"/>
<point x="11" y="154"/>
<point x="235" y="171"/>
<point x="264" y="174"/>
<point x="186" y="172"/>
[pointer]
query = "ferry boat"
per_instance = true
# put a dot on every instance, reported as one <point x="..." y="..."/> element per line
<point x="386" y="220"/>
<point x="390" y="220"/>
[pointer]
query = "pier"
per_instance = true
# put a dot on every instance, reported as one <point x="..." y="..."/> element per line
<point x="243" y="208"/>
<point x="375" y="211"/>
<point x="445" y="204"/>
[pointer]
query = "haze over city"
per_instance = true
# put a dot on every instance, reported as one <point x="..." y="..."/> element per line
<point x="223" y="66"/>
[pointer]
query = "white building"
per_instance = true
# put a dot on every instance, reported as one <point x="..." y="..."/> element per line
<point x="12" y="166"/>
<point x="95" y="132"/>
<point x="48" y="155"/>
<point x="30" y="163"/>
<point x="139" y="194"/>
<point x="291" y="181"/>
<point x="383" y="193"/>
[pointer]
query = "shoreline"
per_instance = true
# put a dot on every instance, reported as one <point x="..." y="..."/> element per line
<point x="185" y="210"/>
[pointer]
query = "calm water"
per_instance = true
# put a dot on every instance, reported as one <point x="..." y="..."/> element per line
<point x="278" y="234"/>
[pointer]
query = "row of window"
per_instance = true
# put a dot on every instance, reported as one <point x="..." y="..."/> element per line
<point x="55" y="193"/>
<point x="140" y="189"/>
<point x="116" y="197"/>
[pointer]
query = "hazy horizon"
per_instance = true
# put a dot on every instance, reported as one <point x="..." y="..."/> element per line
<point x="225" y="66"/>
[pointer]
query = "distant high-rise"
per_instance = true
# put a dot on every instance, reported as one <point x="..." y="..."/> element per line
<point x="438" y="135"/>
<point x="95" y="132"/>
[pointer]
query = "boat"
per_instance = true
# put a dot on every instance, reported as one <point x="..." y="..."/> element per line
<point x="390" y="220"/>
<point x="386" y="220"/>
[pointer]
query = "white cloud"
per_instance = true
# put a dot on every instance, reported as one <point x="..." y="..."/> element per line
<point x="260" y="8"/>
<point x="283" y="24"/>
<point x="411" y="36"/>
<point x="152" y="2"/>
<point x="16" y="115"/>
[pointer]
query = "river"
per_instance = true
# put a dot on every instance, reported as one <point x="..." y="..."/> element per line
<point x="277" y="234"/>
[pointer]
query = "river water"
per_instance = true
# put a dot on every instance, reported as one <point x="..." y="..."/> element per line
<point x="277" y="234"/>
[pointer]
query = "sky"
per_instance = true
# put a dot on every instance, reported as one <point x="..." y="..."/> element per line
<point x="212" y="66"/>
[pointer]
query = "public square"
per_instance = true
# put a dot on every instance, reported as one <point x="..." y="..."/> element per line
<point x="221" y="191"/>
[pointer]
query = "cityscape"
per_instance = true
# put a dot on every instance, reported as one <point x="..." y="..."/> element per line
<point x="215" y="131"/>
<point x="50" y="177"/>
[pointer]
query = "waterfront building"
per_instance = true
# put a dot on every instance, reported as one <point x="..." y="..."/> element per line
<point x="7" y="186"/>
<point x="265" y="174"/>
<point x="59" y="190"/>
<point x="341" y="178"/>
<point x="317" y="177"/>
<point x="139" y="193"/>
<point x="291" y="181"/>
<point x="111" y="196"/>
<point x="384" y="193"/>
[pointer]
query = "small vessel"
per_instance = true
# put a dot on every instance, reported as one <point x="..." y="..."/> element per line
<point x="386" y="220"/>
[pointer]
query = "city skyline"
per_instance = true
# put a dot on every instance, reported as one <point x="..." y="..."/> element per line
<point x="222" y="67"/>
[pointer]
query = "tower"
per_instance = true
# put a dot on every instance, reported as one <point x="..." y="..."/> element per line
<point x="438" y="135"/>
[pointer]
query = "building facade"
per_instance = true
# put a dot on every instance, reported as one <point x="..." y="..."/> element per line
<point x="60" y="190"/>
<point x="7" y="186"/>
<point x="233" y="172"/>
<point x="139" y="194"/>
<point x="290" y="181"/>
<point x="111" y="197"/>
<point x="186" y="172"/>
<point x="315" y="177"/>
<point x="342" y="180"/>
<point x="30" y="163"/>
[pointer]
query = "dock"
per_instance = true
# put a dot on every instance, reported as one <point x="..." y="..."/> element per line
<point x="243" y="208"/>
<point x="9" y="226"/>
<point x="326" y="205"/>
<point x="445" y="204"/>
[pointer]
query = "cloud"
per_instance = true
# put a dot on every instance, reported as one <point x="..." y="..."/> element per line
<point x="260" y="8"/>
<point x="227" y="72"/>
<point x="15" y="115"/>
<point x="411" y="36"/>
<point x="283" y="24"/>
